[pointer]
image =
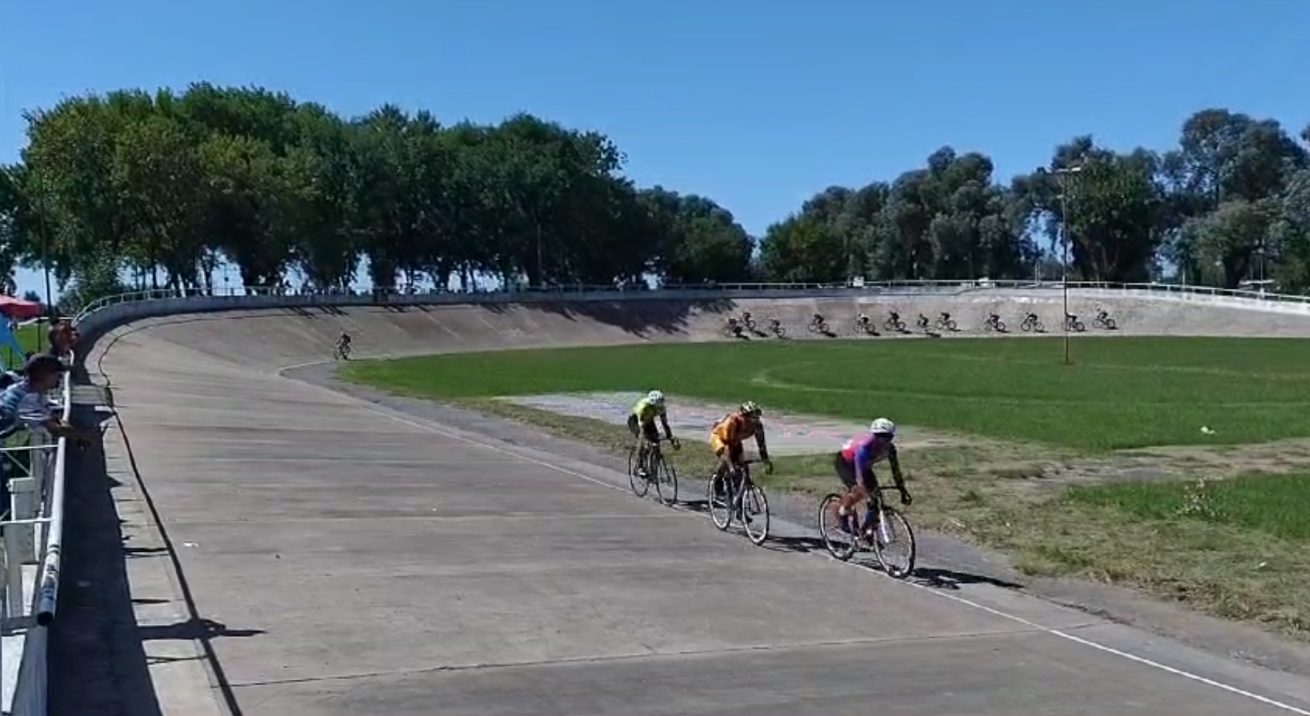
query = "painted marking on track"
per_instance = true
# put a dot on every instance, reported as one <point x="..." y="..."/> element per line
<point x="1111" y="650"/>
<point x="960" y="600"/>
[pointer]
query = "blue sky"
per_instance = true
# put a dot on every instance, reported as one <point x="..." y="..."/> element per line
<point x="755" y="104"/>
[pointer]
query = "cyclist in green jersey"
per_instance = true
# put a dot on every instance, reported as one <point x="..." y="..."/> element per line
<point x="642" y="423"/>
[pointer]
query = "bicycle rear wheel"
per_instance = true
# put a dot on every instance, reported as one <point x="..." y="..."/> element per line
<point x="638" y="484"/>
<point x="840" y="542"/>
<point x="718" y="499"/>
<point x="666" y="480"/>
<point x="897" y="553"/>
<point x="755" y="514"/>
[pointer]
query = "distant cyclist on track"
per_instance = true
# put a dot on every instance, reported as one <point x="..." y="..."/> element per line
<point x="642" y="424"/>
<point x="727" y="436"/>
<point x="343" y="346"/>
<point x="854" y="464"/>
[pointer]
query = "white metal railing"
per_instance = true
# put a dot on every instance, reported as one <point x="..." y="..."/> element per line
<point x="31" y="534"/>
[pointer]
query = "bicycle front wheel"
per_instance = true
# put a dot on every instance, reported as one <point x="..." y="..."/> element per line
<point x="638" y="483"/>
<point x="718" y="500"/>
<point x="755" y="514"/>
<point x="666" y="481"/>
<point x="893" y="544"/>
<point x="839" y="541"/>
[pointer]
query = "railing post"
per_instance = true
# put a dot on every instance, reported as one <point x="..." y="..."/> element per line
<point x="13" y="568"/>
<point x="24" y="498"/>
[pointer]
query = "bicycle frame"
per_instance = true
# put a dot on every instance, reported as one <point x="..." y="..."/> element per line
<point x="875" y="504"/>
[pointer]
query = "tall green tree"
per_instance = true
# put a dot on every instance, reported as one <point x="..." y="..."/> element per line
<point x="803" y="248"/>
<point x="696" y="240"/>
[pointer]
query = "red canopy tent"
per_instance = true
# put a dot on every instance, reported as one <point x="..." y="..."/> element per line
<point x="19" y="309"/>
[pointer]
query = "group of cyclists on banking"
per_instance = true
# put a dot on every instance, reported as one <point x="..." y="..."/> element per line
<point x="853" y="462"/>
<point x="865" y="324"/>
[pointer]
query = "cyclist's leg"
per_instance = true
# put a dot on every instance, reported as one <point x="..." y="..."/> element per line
<point x="846" y="474"/>
<point x="720" y="450"/>
<point x="722" y="466"/>
<point x="871" y="485"/>
<point x="650" y="436"/>
<point x="736" y="454"/>
<point x="635" y="429"/>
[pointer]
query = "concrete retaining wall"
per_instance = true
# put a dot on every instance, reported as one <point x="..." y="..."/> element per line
<point x="270" y="332"/>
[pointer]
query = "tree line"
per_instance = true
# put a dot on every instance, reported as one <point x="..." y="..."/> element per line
<point x="162" y="189"/>
<point x="1230" y="203"/>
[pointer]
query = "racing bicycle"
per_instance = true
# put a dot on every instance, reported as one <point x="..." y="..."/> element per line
<point x="865" y="328"/>
<point x="658" y="471"/>
<point x="946" y="323"/>
<point x="894" y="323"/>
<point x="1031" y="323"/>
<point x="1103" y="320"/>
<point x="881" y="528"/>
<point x="818" y="326"/>
<point x="342" y="352"/>
<point x="737" y="497"/>
<point x="1071" y="323"/>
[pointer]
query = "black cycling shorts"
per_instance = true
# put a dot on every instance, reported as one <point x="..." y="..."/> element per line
<point x="649" y="428"/>
<point x="846" y="471"/>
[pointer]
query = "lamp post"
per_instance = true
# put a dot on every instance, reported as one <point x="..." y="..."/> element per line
<point x="1064" y="263"/>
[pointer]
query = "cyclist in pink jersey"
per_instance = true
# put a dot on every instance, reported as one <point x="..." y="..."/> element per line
<point x="854" y="464"/>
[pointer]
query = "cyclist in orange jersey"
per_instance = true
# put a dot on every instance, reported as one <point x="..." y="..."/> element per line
<point x="728" y="434"/>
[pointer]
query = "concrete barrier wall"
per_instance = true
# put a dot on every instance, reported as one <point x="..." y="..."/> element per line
<point x="125" y="312"/>
<point x="270" y="332"/>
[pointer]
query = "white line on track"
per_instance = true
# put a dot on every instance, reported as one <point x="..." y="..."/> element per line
<point x="961" y="600"/>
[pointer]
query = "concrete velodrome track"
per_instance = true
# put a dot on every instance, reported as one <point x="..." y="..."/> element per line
<point x="319" y="554"/>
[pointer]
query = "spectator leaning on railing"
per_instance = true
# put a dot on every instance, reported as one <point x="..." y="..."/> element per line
<point x="62" y="337"/>
<point x="24" y="404"/>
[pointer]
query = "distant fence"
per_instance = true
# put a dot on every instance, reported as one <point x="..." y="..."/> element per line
<point x="31" y="535"/>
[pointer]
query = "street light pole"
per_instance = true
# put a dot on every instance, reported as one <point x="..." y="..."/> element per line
<point x="1064" y="263"/>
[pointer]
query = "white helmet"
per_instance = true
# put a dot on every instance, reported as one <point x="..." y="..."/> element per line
<point x="655" y="397"/>
<point x="883" y="426"/>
